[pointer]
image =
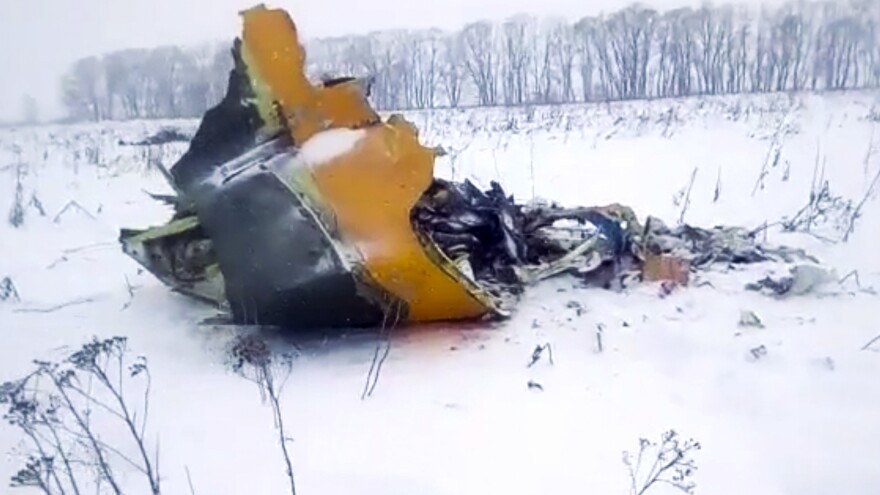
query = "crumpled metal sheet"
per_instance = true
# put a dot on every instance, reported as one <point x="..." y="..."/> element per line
<point x="802" y="279"/>
<point x="510" y="245"/>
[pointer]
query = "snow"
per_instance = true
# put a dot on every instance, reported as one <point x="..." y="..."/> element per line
<point x="327" y="145"/>
<point x="452" y="413"/>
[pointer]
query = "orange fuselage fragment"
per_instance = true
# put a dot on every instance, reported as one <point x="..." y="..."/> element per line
<point x="372" y="188"/>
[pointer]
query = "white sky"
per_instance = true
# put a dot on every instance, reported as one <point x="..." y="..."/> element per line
<point x="39" y="39"/>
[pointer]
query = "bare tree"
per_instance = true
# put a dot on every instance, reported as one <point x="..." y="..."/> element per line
<point x="516" y="58"/>
<point x="584" y="31"/>
<point x="81" y="89"/>
<point x="425" y="63"/>
<point x="564" y="54"/>
<point x="478" y="40"/>
<point x="543" y="48"/>
<point x="30" y="111"/>
<point x="634" y="52"/>
<point x="451" y="73"/>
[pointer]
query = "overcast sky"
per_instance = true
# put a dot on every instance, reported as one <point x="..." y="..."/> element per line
<point x="39" y="39"/>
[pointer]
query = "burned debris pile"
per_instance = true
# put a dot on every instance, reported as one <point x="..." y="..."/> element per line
<point x="508" y="246"/>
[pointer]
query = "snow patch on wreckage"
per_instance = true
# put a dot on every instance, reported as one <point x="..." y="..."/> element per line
<point x="297" y="206"/>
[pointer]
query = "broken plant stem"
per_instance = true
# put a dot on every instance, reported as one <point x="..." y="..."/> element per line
<point x="279" y="422"/>
<point x="65" y="458"/>
<point x="116" y="391"/>
<point x="687" y="197"/>
<point x="72" y="204"/>
<point x="854" y="274"/>
<point x="93" y="443"/>
<point x="383" y="346"/>
<point x="774" y="147"/>
<point x="717" y="194"/>
<point x="192" y="490"/>
<point x="858" y="210"/>
<point x="538" y="352"/>
<point x="870" y="343"/>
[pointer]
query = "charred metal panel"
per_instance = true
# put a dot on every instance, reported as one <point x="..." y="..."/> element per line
<point x="279" y="266"/>
<point x="227" y="130"/>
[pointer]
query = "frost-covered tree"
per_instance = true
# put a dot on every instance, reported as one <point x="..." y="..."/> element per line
<point x="634" y="52"/>
<point x="30" y="111"/>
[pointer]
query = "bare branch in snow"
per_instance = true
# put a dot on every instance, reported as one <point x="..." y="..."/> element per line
<point x="871" y="342"/>
<point x="130" y="294"/>
<point x="858" y="210"/>
<point x="717" y="194"/>
<point x="192" y="490"/>
<point x="383" y="346"/>
<point x="687" y="196"/>
<point x="57" y="307"/>
<point x="72" y="204"/>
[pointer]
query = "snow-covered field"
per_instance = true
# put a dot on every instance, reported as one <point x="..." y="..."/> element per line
<point x="452" y="413"/>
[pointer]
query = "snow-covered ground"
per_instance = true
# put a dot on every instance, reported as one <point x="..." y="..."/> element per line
<point x="452" y="413"/>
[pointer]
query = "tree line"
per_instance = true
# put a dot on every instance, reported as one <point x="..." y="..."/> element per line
<point x="633" y="53"/>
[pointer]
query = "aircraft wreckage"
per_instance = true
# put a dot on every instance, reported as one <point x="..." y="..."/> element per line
<point x="298" y="206"/>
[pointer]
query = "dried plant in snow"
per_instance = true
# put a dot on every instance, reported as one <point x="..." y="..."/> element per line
<point x="65" y="409"/>
<point x="253" y="360"/>
<point x="670" y="464"/>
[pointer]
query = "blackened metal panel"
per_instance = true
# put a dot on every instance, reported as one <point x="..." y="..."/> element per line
<point x="279" y="267"/>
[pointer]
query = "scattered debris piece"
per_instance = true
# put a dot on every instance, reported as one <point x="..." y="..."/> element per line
<point x="164" y="136"/>
<point x="758" y="352"/>
<point x="8" y="292"/>
<point x="750" y="319"/>
<point x="535" y="385"/>
<point x="807" y="278"/>
<point x="828" y="363"/>
<point x="802" y="321"/>
<point x="779" y="286"/>
<point x="576" y="306"/>
<point x="667" y="268"/>
<point x="538" y="352"/>
<point x="666" y="289"/>
<point x="802" y="279"/>
<point x="725" y="245"/>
